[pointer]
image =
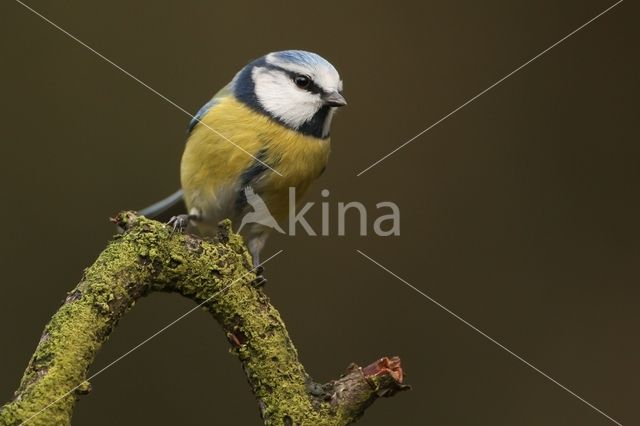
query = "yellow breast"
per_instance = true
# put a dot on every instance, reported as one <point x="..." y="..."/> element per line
<point x="217" y="154"/>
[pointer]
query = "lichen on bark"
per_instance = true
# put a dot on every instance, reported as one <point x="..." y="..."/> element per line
<point x="215" y="274"/>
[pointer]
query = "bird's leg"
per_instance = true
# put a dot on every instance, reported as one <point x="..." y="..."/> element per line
<point x="259" y="270"/>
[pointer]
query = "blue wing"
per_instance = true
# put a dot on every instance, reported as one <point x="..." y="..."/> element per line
<point x="225" y="91"/>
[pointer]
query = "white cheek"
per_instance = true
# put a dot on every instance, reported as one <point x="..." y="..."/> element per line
<point x="279" y="96"/>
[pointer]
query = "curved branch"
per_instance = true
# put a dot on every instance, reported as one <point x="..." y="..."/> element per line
<point x="149" y="257"/>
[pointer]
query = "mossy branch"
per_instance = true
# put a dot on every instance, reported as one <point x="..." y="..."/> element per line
<point x="217" y="274"/>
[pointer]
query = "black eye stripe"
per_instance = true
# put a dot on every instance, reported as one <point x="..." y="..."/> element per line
<point x="312" y="87"/>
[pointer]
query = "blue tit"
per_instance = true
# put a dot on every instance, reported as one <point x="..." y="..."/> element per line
<point x="263" y="133"/>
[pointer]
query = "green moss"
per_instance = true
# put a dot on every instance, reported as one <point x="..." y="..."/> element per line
<point x="150" y="257"/>
<point x="57" y="366"/>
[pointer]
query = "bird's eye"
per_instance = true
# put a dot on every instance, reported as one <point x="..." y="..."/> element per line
<point x="302" y="81"/>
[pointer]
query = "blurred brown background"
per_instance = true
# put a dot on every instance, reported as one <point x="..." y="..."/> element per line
<point x="520" y="212"/>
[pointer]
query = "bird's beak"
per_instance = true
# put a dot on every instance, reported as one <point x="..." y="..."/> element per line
<point x="334" y="99"/>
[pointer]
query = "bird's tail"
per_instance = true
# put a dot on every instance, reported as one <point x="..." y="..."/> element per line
<point x="156" y="209"/>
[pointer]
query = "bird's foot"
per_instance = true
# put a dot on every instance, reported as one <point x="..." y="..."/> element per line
<point x="179" y="223"/>
<point x="260" y="279"/>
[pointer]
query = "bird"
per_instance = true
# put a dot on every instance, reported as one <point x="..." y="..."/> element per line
<point x="266" y="131"/>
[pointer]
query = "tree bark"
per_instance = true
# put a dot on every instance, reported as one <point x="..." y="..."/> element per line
<point x="216" y="274"/>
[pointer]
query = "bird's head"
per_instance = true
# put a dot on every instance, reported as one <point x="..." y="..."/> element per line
<point x="298" y="89"/>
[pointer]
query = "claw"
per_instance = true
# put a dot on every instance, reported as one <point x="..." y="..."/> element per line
<point x="260" y="281"/>
<point x="179" y="223"/>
